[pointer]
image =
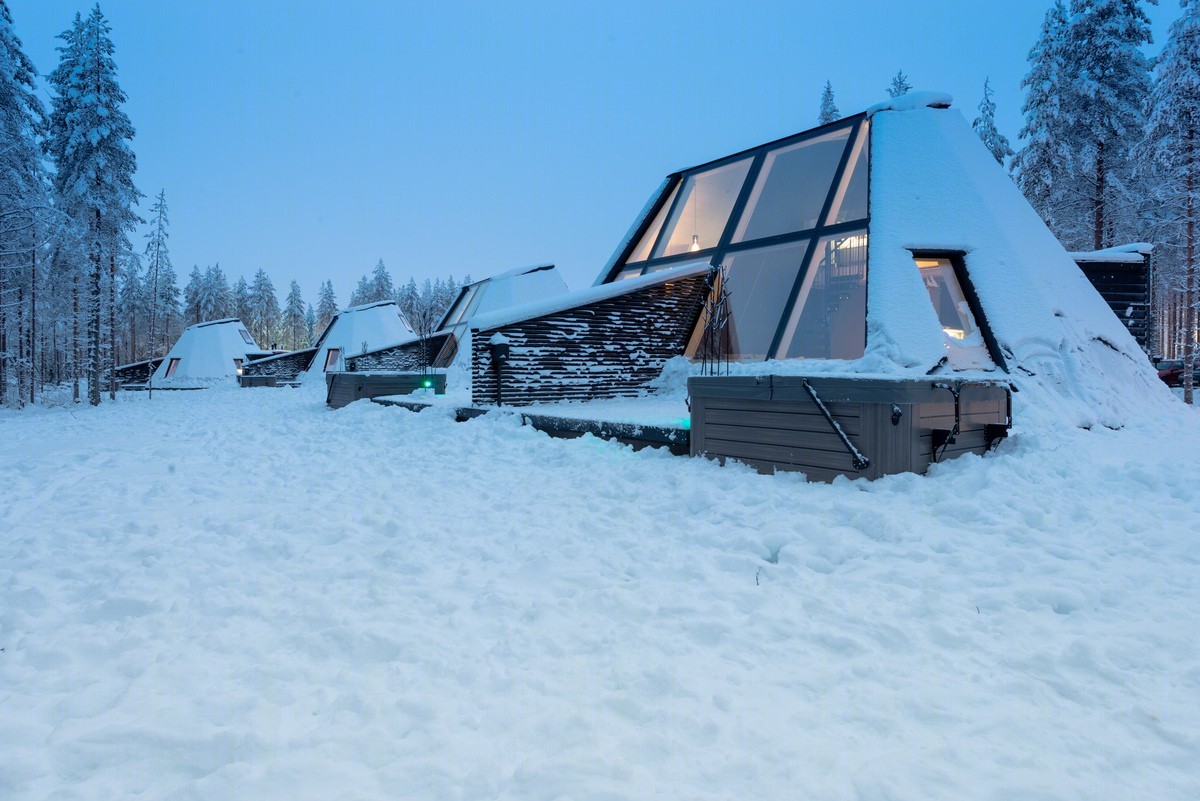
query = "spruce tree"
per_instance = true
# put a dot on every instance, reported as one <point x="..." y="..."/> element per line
<point x="95" y="171"/>
<point x="24" y="206"/>
<point x="293" y="318"/>
<point x="1104" y="106"/>
<point x="239" y="301"/>
<point x="361" y="293"/>
<point x="408" y="298"/>
<point x="985" y="126"/>
<point x="193" y="294"/>
<point x="310" y="322"/>
<point x="264" y="309"/>
<point x="1170" y="150"/>
<point x="381" y="285"/>
<point x="327" y="307"/>
<point x="829" y="110"/>
<point x="899" y="85"/>
<point x="1041" y="167"/>
<point x="158" y="262"/>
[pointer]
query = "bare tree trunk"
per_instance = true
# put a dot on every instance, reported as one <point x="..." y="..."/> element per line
<point x="22" y="355"/>
<point x="33" y="351"/>
<point x="1189" y="298"/>
<point x="93" y="355"/>
<point x="112" y="326"/>
<point x="3" y="340"/>
<point x="1098" y="233"/>
<point x="75" y="336"/>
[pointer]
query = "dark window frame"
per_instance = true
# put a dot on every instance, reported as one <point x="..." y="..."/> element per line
<point x="958" y="263"/>
<point x="855" y="124"/>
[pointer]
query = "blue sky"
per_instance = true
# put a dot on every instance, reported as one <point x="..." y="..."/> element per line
<point x="313" y="139"/>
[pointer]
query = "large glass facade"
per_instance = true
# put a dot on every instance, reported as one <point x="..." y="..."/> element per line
<point x="828" y="320"/>
<point x="646" y="243"/>
<point x="759" y="282"/>
<point x="789" y="221"/>
<point x="702" y="210"/>
<point x="791" y="187"/>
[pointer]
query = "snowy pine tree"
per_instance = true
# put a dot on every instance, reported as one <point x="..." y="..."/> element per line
<point x="193" y="292"/>
<point x="407" y="298"/>
<point x="294" y="336"/>
<point x="310" y="323"/>
<point x="264" y="309"/>
<point x="162" y="310"/>
<point x="239" y="301"/>
<point x="95" y="172"/>
<point x="829" y="110"/>
<point x="361" y="293"/>
<point x="985" y="126"/>
<point x="25" y="222"/>
<point x="1039" y="168"/>
<point x="899" y="85"/>
<point x="327" y="307"/>
<point x="381" y="285"/>
<point x="1104" y="108"/>
<point x="1170" y="150"/>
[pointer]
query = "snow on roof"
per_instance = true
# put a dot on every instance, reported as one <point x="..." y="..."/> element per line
<point x="571" y="300"/>
<point x="357" y="329"/>
<point x="935" y="187"/>
<point x="1132" y="253"/>
<point x="207" y="351"/>
<point x="911" y="101"/>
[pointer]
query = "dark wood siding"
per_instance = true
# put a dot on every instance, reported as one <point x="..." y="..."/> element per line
<point x="606" y="349"/>
<point x="345" y="387"/>
<point x="1125" y="286"/>
<point x="138" y="372"/>
<point x="771" y="423"/>
<point x="284" y="367"/>
<point x="406" y="358"/>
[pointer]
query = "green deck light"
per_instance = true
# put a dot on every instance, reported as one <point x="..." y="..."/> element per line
<point x="686" y="424"/>
<point x="428" y="384"/>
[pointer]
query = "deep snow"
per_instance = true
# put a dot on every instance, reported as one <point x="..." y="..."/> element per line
<point x="240" y="594"/>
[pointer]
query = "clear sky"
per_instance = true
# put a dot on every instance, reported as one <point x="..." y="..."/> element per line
<point x="311" y="139"/>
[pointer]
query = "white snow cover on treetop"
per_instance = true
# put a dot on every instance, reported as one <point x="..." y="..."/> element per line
<point x="359" y="328"/>
<point x="207" y="350"/>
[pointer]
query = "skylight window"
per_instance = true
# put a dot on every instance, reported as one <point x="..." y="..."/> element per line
<point x="702" y="209"/>
<point x="791" y="187"/>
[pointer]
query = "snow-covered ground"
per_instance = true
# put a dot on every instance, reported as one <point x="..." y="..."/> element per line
<point x="239" y="594"/>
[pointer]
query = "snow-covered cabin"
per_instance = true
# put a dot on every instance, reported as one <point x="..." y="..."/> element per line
<point x="504" y="290"/>
<point x="887" y="243"/>
<point x="449" y="344"/>
<point x="355" y="330"/>
<point x="208" y="351"/>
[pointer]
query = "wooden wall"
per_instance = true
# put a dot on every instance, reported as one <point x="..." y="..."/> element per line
<point x="1126" y="288"/>
<point x="606" y="349"/>
<point x="344" y="387"/>
<point x="284" y="367"/>
<point x="409" y="357"/>
<point x="773" y="425"/>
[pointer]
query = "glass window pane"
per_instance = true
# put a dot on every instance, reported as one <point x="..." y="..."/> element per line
<point x="850" y="202"/>
<point x="964" y="342"/>
<point x="629" y="272"/>
<point x="331" y="358"/>
<point x="759" y="282"/>
<point x="461" y="306"/>
<point x="700" y="217"/>
<point x="829" y="320"/>
<point x="642" y="251"/>
<point x="792" y="187"/>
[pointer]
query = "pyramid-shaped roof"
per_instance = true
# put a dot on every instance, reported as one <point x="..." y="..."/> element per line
<point x="358" y="329"/>
<point x="889" y="242"/>
<point x="208" y="350"/>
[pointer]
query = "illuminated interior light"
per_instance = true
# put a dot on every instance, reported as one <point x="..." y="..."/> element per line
<point x="695" y="242"/>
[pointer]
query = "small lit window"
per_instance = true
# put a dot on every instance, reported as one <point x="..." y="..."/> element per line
<point x="965" y="344"/>
<point x="642" y="251"/>
<point x="237" y="365"/>
<point x="246" y="336"/>
<point x="331" y="358"/>
<point x="172" y="366"/>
